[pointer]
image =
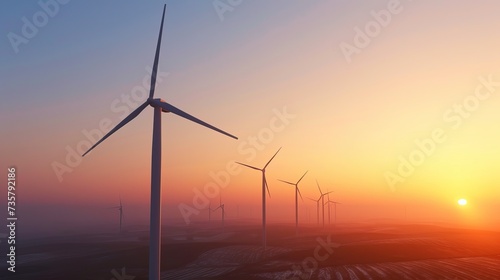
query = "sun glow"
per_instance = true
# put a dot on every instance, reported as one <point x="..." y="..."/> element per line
<point x="462" y="201"/>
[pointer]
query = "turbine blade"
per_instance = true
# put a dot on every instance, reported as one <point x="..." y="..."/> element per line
<point x="267" y="186"/>
<point x="271" y="159"/>
<point x="122" y="123"/>
<point x="169" y="108"/>
<point x="157" y="56"/>
<point x="319" y="188"/>
<point x="287" y="182"/>
<point x="312" y="199"/>
<point x="249" y="166"/>
<point x="302" y="177"/>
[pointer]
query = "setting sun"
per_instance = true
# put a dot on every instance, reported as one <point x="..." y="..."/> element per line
<point x="462" y="201"/>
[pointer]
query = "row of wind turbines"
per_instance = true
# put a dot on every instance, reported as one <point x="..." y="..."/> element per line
<point x="319" y="201"/>
<point x="297" y="191"/>
<point x="265" y="187"/>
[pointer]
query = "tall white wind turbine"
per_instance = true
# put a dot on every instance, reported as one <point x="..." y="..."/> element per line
<point x="159" y="106"/>
<point x="264" y="187"/>
<point x="297" y="193"/>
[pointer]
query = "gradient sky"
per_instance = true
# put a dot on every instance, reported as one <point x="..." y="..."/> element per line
<point x="352" y="121"/>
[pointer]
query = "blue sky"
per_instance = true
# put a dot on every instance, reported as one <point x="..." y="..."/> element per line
<point x="83" y="41"/>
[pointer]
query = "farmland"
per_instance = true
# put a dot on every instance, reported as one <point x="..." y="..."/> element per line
<point x="355" y="251"/>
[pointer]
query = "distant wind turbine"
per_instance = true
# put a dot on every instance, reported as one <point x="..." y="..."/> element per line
<point x="120" y="209"/>
<point x="329" y="210"/>
<point x="322" y="202"/>
<point x="210" y="211"/>
<point x="159" y="106"/>
<point x="335" y="209"/>
<point x="221" y="206"/>
<point x="264" y="187"/>
<point x="317" y="206"/>
<point x="297" y="193"/>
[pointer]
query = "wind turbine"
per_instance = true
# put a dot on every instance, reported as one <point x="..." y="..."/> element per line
<point x="120" y="209"/>
<point x="210" y="211"/>
<point x="335" y="209"/>
<point x="264" y="187"/>
<point x="317" y="206"/>
<point x="297" y="193"/>
<point x="329" y="211"/>
<point x="159" y="106"/>
<point x="221" y="206"/>
<point x="322" y="202"/>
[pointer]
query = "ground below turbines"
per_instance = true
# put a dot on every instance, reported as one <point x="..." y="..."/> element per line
<point x="207" y="251"/>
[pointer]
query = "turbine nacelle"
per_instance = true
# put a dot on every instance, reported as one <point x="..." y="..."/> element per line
<point x="220" y="207"/>
<point x="153" y="103"/>
<point x="295" y="184"/>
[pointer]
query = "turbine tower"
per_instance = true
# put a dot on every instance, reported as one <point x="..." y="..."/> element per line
<point x="159" y="107"/>
<point x="297" y="193"/>
<point x="221" y="206"/>
<point x="264" y="187"/>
